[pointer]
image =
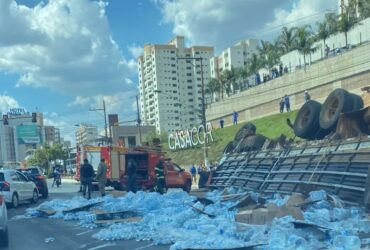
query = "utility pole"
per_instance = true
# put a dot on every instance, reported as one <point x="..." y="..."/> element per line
<point x="138" y="117"/>
<point x="105" y="121"/>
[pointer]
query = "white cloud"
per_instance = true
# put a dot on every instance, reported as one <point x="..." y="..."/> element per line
<point x="79" y="100"/>
<point x="303" y="12"/>
<point x="223" y="22"/>
<point x="63" y="45"/>
<point x="8" y="102"/>
<point x="135" y="50"/>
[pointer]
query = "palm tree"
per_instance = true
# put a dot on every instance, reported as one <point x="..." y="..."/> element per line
<point x="364" y="8"/>
<point x="229" y="79"/>
<point x="287" y="39"/>
<point x="212" y="87"/>
<point x="269" y="55"/>
<point x="305" y="41"/>
<point x="241" y="75"/>
<point x="322" y="31"/>
<point x="331" y="20"/>
<point x="254" y="64"/>
<point x="347" y="20"/>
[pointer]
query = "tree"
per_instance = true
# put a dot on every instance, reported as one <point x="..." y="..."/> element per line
<point x="347" y="20"/>
<point x="254" y="64"/>
<point x="305" y="41"/>
<point x="287" y="40"/>
<point x="331" y="20"/>
<point x="212" y="87"/>
<point x="228" y="78"/>
<point x="46" y="153"/>
<point x="269" y="55"/>
<point x="323" y="31"/>
<point x="241" y="75"/>
<point x="364" y="8"/>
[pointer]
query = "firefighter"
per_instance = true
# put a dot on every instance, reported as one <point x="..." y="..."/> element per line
<point x="161" y="183"/>
<point x="101" y="176"/>
<point x="131" y="174"/>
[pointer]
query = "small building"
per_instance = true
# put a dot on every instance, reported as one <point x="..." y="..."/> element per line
<point x="129" y="136"/>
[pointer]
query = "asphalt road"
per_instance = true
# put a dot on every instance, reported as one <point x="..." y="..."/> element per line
<point x="29" y="234"/>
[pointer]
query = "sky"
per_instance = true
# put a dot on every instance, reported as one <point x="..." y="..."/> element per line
<point x="63" y="57"/>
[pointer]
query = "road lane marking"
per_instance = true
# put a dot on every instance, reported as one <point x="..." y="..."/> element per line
<point x="84" y="233"/>
<point x="103" y="246"/>
<point x="150" y="245"/>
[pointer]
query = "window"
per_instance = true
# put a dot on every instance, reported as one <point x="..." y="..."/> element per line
<point x="190" y="87"/>
<point x="197" y="52"/>
<point x="188" y="67"/>
<point x="14" y="176"/>
<point x="188" y="74"/>
<point x="131" y="141"/>
<point x="174" y="78"/>
<point x="189" y="81"/>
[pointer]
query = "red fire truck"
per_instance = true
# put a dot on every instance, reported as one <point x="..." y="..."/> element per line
<point x="146" y="159"/>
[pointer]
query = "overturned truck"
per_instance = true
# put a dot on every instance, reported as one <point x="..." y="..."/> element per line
<point x="334" y="155"/>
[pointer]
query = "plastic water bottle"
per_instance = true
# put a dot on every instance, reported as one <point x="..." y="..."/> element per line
<point x="318" y="195"/>
<point x="347" y="242"/>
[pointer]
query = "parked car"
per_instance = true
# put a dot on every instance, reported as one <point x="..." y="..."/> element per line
<point x="16" y="187"/>
<point x="36" y="175"/>
<point x="3" y="223"/>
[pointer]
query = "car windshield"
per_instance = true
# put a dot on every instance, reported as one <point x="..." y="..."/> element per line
<point x="29" y="171"/>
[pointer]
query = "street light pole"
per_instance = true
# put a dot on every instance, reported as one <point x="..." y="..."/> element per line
<point x="105" y="120"/>
<point x="204" y="122"/>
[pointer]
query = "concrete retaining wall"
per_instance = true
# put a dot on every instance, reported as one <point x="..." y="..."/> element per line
<point x="350" y="70"/>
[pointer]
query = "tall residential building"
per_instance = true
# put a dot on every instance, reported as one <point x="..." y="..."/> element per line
<point x="20" y="137"/>
<point x="52" y="135"/>
<point x="171" y="85"/>
<point x="87" y="134"/>
<point x="236" y="56"/>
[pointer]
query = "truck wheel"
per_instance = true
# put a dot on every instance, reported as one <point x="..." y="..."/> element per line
<point x="306" y="124"/>
<point x="338" y="101"/>
<point x="248" y="129"/>
<point x="358" y="103"/>
<point x="187" y="187"/>
<point x="229" y="148"/>
<point x="251" y="143"/>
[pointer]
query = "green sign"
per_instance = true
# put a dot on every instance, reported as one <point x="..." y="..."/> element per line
<point x="28" y="134"/>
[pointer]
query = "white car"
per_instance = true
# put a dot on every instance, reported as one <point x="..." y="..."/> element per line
<point x="16" y="187"/>
<point x="3" y="223"/>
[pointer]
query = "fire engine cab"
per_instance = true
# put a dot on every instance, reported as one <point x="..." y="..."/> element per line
<point x="145" y="158"/>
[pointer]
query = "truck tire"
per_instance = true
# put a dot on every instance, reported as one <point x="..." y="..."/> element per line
<point x="187" y="187"/>
<point x="358" y="103"/>
<point x="248" y="129"/>
<point x="252" y="143"/>
<point x="306" y="124"/>
<point x="229" y="148"/>
<point x="338" y="101"/>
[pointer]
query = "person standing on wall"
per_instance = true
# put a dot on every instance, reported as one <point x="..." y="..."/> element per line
<point x="87" y="175"/>
<point x="287" y="103"/>
<point x="281" y="104"/>
<point x="235" y="117"/>
<point x="101" y="176"/>
<point x="193" y="172"/>
<point x="307" y="96"/>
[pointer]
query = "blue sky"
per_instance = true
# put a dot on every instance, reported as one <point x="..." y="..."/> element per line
<point x="62" y="57"/>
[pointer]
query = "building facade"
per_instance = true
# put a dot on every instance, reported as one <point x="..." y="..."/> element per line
<point x="20" y="137"/>
<point x="129" y="136"/>
<point x="87" y="134"/>
<point x="236" y="56"/>
<point x="52" y="135"/>
<point x="171" y="85"/>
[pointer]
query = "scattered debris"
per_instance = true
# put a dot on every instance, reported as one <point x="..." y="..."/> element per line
<point x="82" y="208"/>
<point x="49" y="240"/>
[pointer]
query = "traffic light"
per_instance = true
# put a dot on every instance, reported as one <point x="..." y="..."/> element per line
<point x="34" y="117"/>
<point x="5" y="120"/>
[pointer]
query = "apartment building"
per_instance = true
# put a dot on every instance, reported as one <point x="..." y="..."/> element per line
<point x="171" y="84"/>
<point x="236" y="56"/>
<point x="87" y="134"/>
<point x="19" y="136"/>
<point x="52" y="135"/>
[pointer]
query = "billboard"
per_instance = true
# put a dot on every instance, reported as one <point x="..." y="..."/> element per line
<point x="28" y="134"/>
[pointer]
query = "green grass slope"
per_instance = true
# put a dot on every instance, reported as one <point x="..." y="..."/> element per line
<point x="269" y="126"/>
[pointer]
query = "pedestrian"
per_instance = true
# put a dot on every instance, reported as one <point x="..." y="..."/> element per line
<point x="222" y="123"/>
<point x="101" y="176"/>
<point x="199" y="169"/>
<point x="307" y="96"/>
<point x="87" y="175"/>
<point x="235" y="117"/>
<point x="131" y="176"/>
<point x="193" y="172"/>
<point x="287" y="103"/>
<point x="327" y="50"/>
<point x="56" y="178"/>
<point x="281" y="104"/>
<point x="160" y="182"/>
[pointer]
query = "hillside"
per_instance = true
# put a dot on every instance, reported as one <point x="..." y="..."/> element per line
<point x="270" y="126"/>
